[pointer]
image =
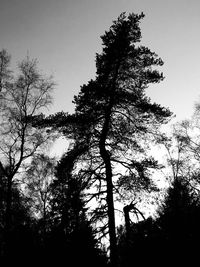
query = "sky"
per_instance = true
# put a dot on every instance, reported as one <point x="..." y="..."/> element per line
<point x="64" y="35"/>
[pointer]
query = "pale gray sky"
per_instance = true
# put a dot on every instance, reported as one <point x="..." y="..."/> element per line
<point x="64" y="36"/>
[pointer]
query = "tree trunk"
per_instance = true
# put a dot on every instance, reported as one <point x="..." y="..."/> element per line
<point x="106" y="158"/>
<point x="127" y="210"/>
<point x="127" y="220"/>
<point x="110" y="202"/>
<point x="111" y="216"/>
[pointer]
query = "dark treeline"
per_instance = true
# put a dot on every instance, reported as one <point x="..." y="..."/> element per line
<point x="63" y="211"/>
<point x="171" y="237"/>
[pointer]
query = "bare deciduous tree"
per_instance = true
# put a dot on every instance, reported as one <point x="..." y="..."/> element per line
<point x="23" y="96"/>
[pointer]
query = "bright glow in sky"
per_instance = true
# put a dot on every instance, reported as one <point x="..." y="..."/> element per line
<point x="64" y="36"/>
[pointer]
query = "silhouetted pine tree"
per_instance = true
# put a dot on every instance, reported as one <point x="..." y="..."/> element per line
<point x="113" y="115"/>
<point x="114" y="118"/>
<point x="116" y="110"/>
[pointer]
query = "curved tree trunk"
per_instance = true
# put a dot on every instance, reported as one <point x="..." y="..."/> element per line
<point x="110" y="202"/>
